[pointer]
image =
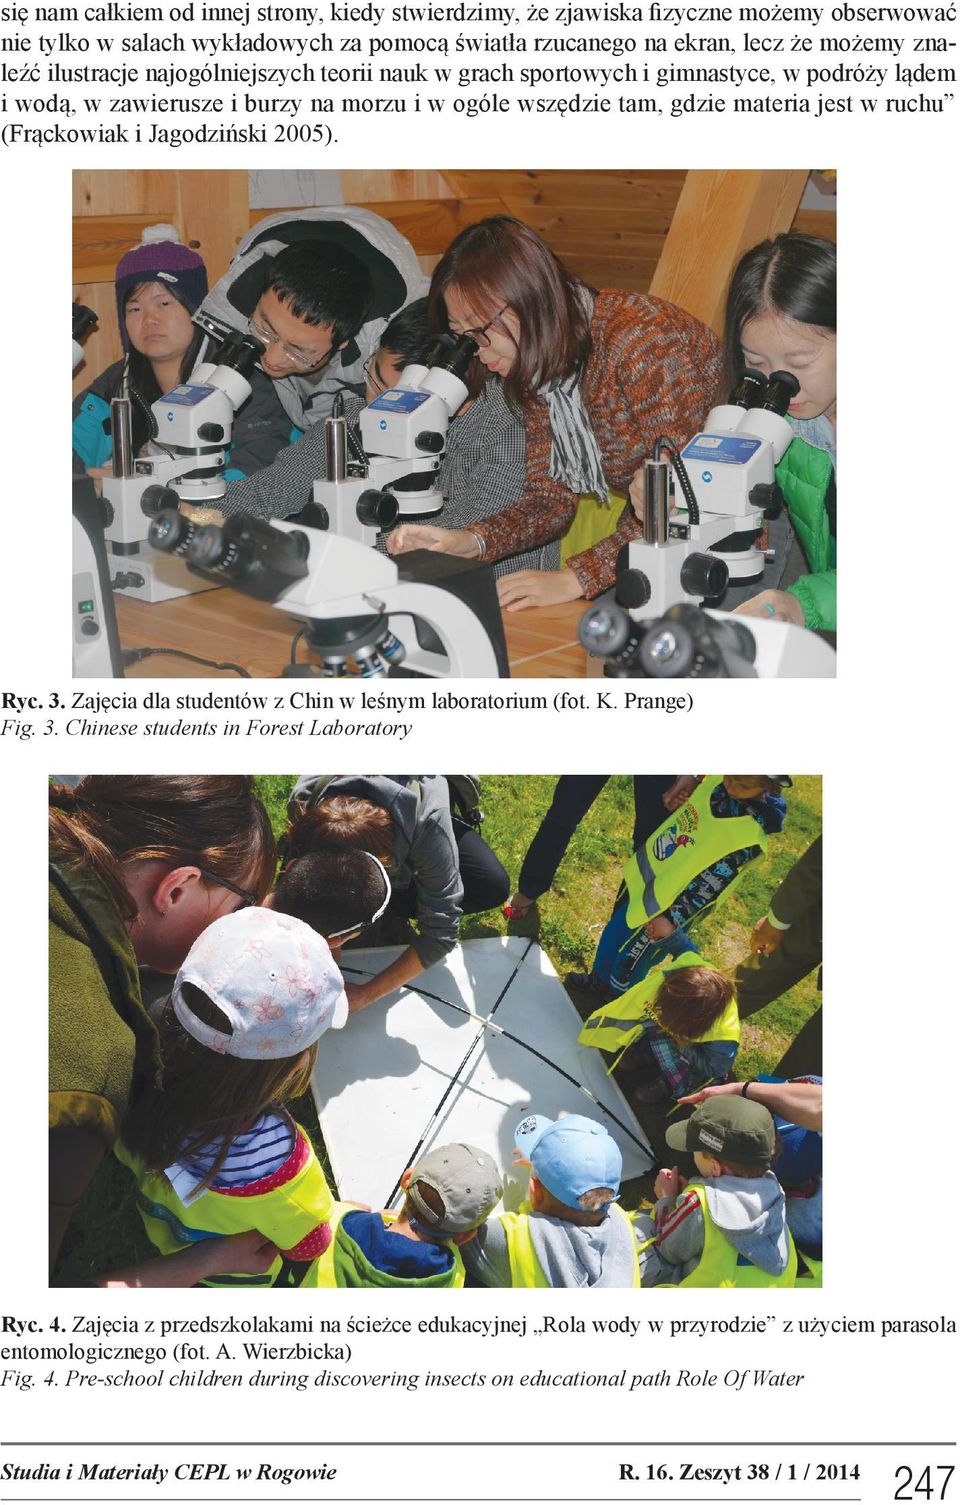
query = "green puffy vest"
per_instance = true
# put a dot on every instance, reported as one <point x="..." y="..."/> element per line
<point x="615" y="1025"/>
<point x="804" y="476"/>
<point x="689" y="841"/>
<point x="343" y="1263"/>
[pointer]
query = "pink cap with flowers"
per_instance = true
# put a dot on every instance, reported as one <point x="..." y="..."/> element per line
<point x="271" y="976"/>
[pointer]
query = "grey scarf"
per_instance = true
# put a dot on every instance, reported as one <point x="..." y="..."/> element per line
<point x="574" y="455"/>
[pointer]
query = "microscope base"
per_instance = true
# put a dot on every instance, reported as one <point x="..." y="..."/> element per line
<point x="163" y="577"/>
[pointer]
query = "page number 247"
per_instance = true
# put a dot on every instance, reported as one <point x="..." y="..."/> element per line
<point x="928" y="1483"/>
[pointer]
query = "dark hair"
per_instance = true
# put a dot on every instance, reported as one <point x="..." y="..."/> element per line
<point x="794" y="275"/>
<point x="205" y="1099"/>
<point x="322" y="284"/>
<point x="690" y="999"/>
<point x="500" y="263"/>
<point x="408" y="333"/>
<point x="204" y="820"/>
<point x="144" y="389"/>
<point x="331" y="888"/>
<point x="345" y="822"/>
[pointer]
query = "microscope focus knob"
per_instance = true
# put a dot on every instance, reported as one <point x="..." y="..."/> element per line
<point x="431" y="441"/>
<point x="158" y="499"/>
<point x="211" y="432"/>
<point x="633" y="589"/>
<point x="377" y="509"/>
<point x="704" y="575"/>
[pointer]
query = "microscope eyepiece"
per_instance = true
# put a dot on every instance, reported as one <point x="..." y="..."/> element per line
<point x="457" y="359"/>
<point x="249" y="554"/>
<point x="83" y="320"/>
<point x="782" y="388"/>
<point x="749" y="390"/>
<point x="240" y="352"/>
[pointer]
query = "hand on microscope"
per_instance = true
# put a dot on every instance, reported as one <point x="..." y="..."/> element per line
<point x="203" y="515"/>
<point x="96" y="474"/>
<point x="537" y="588"/>
<point x="635" y="493"/>
<point x="771" y="605"/>
<point x="410" y="536"/>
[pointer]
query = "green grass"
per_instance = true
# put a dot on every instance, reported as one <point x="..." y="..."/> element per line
<point x="106" y="1230"/>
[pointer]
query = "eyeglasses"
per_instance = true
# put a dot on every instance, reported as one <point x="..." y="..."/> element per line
<point x="352" y="931"/>
<point x="305" y="360"/>
<point x="479" y="335"/>
<point x="249" y="899"/>
<point x="371" y="374"/>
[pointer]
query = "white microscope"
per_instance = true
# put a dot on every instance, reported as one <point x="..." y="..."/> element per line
<point x="350" y="599"/>
<point x="726" y="476"/>
<point x="192" y="425"/>
<point x="403" y="434"/>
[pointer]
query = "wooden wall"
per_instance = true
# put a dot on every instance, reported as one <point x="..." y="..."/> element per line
<point x="610" y="227"/>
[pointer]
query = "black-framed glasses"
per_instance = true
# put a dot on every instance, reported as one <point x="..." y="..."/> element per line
<point x="371" y="374"/>
<point x="479" y="335"/>
<point x="249" y="899"/>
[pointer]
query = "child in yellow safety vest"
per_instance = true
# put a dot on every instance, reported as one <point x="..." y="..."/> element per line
<point x="728" y="1225"/>
<point x="448" y="1194"/>
<point x="672" y="1032"/>
<point x="211" y="1146"/>
<point x="571" y="1232"/>
<point x="684" y="869"/>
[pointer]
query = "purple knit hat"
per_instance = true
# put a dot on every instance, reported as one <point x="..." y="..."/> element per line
<point x="160" y="257"/>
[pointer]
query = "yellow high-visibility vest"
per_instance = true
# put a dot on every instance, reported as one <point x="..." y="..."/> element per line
<point x="689" y="841"/>
<point x="615" y="1025"/>
<point x="285" y="1214"/>
<point x="719" y="1263"/>
<point x="525" y="1269"/>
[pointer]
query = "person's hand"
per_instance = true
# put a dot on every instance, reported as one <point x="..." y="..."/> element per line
<point x="680" y="791"/>
<point x="249" y="1253"/>
<point x="410" y="536"/>
<point x="520" y="1160"/>
<point x="635" y="493"/>
<point x="204" y="515"/>
<point x="96" y="474"/>
<point x="669" y="1183"/>
<point x="537" y="588"/>
<point x="722" y="1089"/>
<point x="765" y="937"/>
<point x="772" y="606"/>
<point x="659" y="928"/>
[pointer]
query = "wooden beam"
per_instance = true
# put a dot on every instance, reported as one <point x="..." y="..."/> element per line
<point x="719" y="215"/>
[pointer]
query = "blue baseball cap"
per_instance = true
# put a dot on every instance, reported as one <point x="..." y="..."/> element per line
<point x="570" y="1156"/>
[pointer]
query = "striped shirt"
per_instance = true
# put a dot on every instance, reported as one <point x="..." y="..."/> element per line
<point x="258" y="1152"/>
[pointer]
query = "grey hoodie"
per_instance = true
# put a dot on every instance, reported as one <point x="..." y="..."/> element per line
<point x="425" y="853"/>
<point x="568" y="1254"/>
<point x="397" y="281"/>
